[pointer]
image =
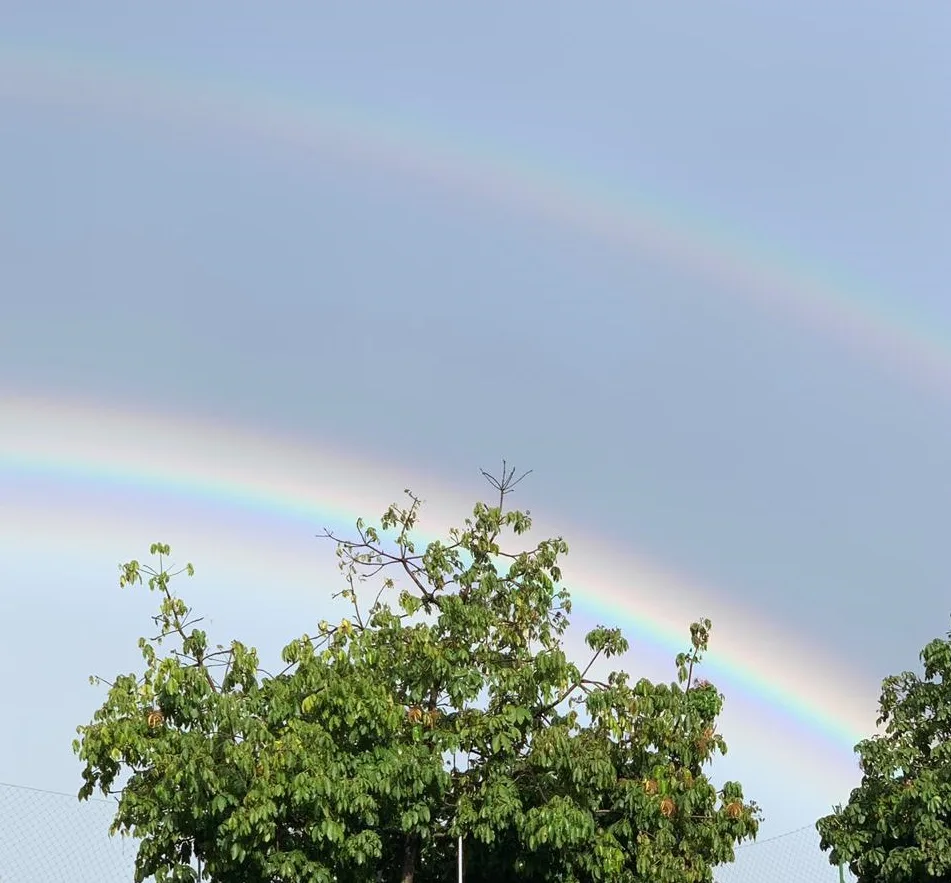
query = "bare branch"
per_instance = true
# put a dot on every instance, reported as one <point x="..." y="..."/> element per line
<point x="506" y="483"/>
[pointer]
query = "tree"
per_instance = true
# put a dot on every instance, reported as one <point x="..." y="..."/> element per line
<point x="442" y="706"/>
<point x="896" y="827"/>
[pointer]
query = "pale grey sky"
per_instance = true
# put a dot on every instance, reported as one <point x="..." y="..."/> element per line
<point x="189" y="268"/>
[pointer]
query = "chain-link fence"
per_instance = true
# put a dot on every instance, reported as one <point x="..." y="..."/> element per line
<point x="793" y="857"/>
<point x="48" y="837"/>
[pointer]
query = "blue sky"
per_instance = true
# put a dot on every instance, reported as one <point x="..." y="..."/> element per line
<point x="154" y="263"/>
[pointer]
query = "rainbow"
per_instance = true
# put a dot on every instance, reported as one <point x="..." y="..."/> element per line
<point x="62" y="442"/>
<point x="632" y="222"/>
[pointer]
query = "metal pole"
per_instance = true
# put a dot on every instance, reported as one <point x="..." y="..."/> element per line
<point x="460" y="858"/>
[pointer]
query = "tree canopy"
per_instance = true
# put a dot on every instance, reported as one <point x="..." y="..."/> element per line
<point x="896" y="827"/>
<point x="443" y="705"/>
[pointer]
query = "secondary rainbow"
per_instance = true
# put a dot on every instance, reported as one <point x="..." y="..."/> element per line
<point x="62" y="442"/>
<point x="752" y="269"/>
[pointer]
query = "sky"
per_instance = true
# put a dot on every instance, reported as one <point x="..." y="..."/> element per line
<point x="262" y="271"/>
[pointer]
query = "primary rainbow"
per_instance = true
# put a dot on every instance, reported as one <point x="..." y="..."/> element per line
<point x="750" y="268"/>
<point x="62" y="442"/>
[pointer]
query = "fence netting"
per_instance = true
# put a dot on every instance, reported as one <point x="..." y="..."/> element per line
<point x="48" y="837"/>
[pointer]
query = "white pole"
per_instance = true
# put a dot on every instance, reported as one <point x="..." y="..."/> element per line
<point x="460" y="858"/>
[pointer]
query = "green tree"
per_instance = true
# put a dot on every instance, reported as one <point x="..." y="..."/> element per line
<point x="896" y="827"/>
<point x="442" y="706"/>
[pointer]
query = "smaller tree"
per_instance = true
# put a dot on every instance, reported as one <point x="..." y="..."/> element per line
<point x="896" y="827"/>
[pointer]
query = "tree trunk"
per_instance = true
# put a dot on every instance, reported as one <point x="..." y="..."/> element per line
<point x="410" y="857"/>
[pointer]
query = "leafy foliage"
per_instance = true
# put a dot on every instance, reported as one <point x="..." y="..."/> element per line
<point x="896" y="827"/>
<point x="445" y="707"/>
